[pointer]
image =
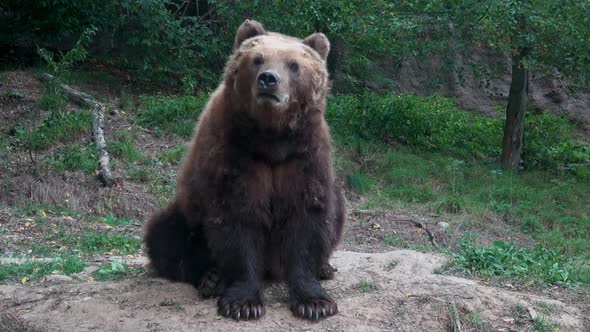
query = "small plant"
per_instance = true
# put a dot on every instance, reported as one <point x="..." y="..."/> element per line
<point x="117" y="270"/>
<point x="139" y="174"/>
<point x="366" y="286"/>
<point x="54" y="99"/>
<point x="359" y="182"/>
<point x="173" y="156"/>
<point x="116" y="221"/>
<point x="123" y="146"/>
<point x="395" y="242"/>
<point x="101" y="242"/>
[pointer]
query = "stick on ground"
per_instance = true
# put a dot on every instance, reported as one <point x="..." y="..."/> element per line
<point x="105" y="175"/>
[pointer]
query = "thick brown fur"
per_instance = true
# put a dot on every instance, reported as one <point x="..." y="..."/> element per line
<point x="256" y="195"/>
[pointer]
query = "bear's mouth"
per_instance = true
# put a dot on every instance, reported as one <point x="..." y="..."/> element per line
<point x="269" y="96"/>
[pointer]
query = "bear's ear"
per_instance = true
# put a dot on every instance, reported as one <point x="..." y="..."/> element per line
<point x="248" y="29"/>
<point x="320" y="43"/>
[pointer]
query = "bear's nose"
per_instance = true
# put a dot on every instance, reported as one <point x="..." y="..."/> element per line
<point x="268" y="80"/>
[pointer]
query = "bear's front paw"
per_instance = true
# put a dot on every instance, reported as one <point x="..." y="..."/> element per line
<point x="327" y="272"/>
<point x="314" y="308"/>
<point x="211" y="284"/>
<point x="240" y="304"/>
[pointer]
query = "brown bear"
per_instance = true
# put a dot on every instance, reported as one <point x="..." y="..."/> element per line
<point x="256" y="195"/>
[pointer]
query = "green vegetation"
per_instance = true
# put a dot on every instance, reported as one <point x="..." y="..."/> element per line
<point x="75" y="158"/>
<point x="123" y="146"/>
<point x="366" y="286"/>
<point x="112" y="220"/>
<point x="59" y="129"/>
<point x="116" y="270"/>
<point x="435" y="124"/>
<point x="448" y="164"/>
<point x="538" y="324"/>
<point x="102" y="242"/>
<point x="90" y="242"/>
<point x="54" y="99"/>
<point x="139" y="174"/>
<point x="175" y="114"/>
<point x="32" y="271"/>
<point x="502" y="259"/>
<point x="174" y="155"/>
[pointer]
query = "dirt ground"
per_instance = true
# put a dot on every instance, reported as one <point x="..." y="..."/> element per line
<point x="391" y="291"/>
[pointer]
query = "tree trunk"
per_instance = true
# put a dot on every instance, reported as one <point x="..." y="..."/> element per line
<point x="517" y="105"/>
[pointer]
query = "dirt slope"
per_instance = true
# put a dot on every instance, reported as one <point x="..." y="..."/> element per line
<point x="392" y="291"/>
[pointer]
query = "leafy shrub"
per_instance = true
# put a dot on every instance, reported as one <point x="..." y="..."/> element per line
<point x="428" y="122"/>
<point x="175" y="114"/>
<point x="550" y="140"/>
<point x="434" y="123"/>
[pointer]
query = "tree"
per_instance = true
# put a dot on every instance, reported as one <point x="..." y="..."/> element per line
<point x="549" y="36"/>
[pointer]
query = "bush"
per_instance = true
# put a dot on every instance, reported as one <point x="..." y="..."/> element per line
<point x="188" y="41"/>
<point x="435" y="124"/>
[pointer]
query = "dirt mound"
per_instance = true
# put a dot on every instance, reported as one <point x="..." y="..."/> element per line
<point x="395" y="291"/>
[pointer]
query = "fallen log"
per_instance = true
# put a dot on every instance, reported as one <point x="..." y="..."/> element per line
<point x="105" y="175"/>
<point x="77" y="97"/>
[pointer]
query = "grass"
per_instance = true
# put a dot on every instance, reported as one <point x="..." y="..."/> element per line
<point x="53" y="102"/>
<point x="173" y="156"/>
<point x="552" y="208"/>
<point x="139" y="174"/>
<point x="32" y="271"/>
<point x="163" y="187"/>
<point x="75" y="158"/>
<point x="116" y="270"/>
<point x="395" y="242"/>
<point x="122" y="146"/>
<point x="540" y="265"/>
<point x="103" y="241"/>
<point x="56" y="129"/>
<point x="177" y="115"/>
<point x="365" y="286"/>
<point x="112" y="220"/>
<point x="538" y="324"/>
<point x="414" y="152"/>
<point x="90" y="242"/>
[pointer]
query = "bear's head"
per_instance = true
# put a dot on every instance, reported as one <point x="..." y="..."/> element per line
<point x="277" y="78"/>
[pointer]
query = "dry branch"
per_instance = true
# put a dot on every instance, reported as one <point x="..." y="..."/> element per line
<point x="105" y="175"/>
<point x="419" y="224"/>
<point x="77" y="97"/>
<point x="456" y="325"/>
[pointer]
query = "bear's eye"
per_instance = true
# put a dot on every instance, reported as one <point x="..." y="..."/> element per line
<point x="258" y="61"/>
<point x="294" y="67"/>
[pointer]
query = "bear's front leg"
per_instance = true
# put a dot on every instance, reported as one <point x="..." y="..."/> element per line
<point x="237" y="249"/>
<point x="305" y="258"/>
